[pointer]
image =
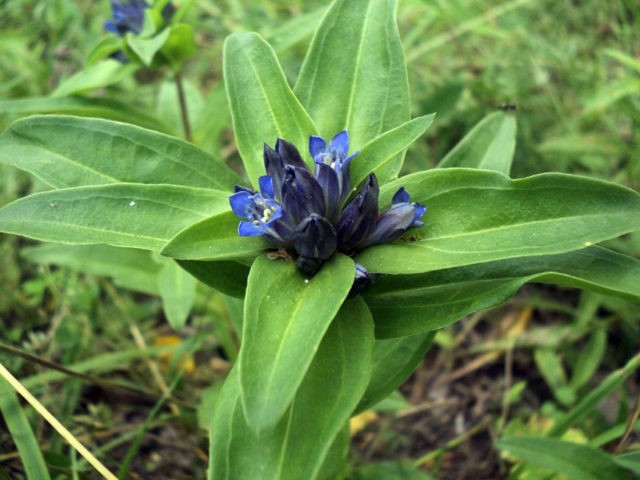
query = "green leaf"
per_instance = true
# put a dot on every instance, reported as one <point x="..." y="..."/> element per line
<point x="576" y="461"/>
<point x="489" y="145"/>
<point x="226" y="276"/>
<point x="285" y="317"/>
<point x="146" y="48"/>
<point x="629" y="460"/>
<point x="591" y="400"/>
<point x="390" y="471"/>
<point x="589" y="358"/>
<point x="290" y="31"/>
<point x="406" y="305"/>
<point x="104" y="49"/>
<point x="394" y="360"/>
<point x="85" y="107"/>
<point x="214" y="238"/>
<point x="21" y="433"/>
<point x="71" y="151"/>
<point x="177" y="289"/>
<point x="129" y="268"/>
<point x="100" y="75"/>
<point x="385" y="148"/>
<point x="125" y="215"/>
<point x="550" y="366"/>
<point x="354" y="75"/>
<point x="296" y="446"/>
<point x="179" y="46"/>
<point x="263" y="107"/>
<point x="477" y="216"/>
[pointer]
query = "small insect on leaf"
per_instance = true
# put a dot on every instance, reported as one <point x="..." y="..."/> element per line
<point x="279" y="254"/>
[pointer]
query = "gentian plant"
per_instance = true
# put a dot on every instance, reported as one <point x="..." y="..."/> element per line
<point x="342" y="274"/>
<point x="308" y="213"/>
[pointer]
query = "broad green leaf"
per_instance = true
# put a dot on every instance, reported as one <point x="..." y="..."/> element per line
<point x="129" y="268"/>
<point x="385" y="148"/>
<point x="124" y="215"/>
<point x="177" y="289"/>
<point x="21" y="433"/>
<point x="575" y="461"/>
<point x="354" y="75"/>
<point x="489" y="145"/>
<point x="96" y="76"/>
<point x="214" y="238"/>
<point x="285" y="318"/>
<point x="335" y="461"/>
<point x="393" y="361"/>
<point x="226" y="276"/>
<point x="71" y="151"/>
<point x="477" y="216"/>
<point x="263" y="107"/>
<point x="296" y="446"/>
<point x="629" y="460"/>
<point x="406" y="305"/>
<point x="85" y="107"/>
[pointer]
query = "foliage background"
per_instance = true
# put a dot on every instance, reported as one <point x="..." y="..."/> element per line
<point x="570" y="68"/>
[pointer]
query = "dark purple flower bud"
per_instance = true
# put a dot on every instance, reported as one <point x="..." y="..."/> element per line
<point x="361" y="281"/>
<point x="315" y="241"/>
<point x="289" y="154"/>
<point x="276" y="163"/>
<point x="328" y="180"/>
<point x="393" y="222"/>
<point x="127" y="17"/>
<point x="358" y="217"/>
<point x="315" y="237"/>
<point x="301" y="194"/>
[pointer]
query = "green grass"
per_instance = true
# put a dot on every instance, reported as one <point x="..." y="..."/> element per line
<point x="570" y="68"/>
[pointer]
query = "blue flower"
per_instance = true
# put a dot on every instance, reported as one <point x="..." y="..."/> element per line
<point x="393" y="222"/>
<point x="261" y="211"/>
<point x="332" y="169"/>
<point x="311" y="215"/>
<point x="129" y="16"/>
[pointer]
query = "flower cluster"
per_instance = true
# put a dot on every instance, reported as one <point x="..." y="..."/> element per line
<point x="312" y="214"/>
<point x="129" y="16"/>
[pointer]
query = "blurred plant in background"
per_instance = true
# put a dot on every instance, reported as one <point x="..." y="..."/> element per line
<point x="561" y="364"/>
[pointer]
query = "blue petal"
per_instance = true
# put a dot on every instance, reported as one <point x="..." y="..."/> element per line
<point x="266" y="186"/>
<point x="316" y="145"/>
<point x="340" y="142"/>
<point x="248" y="229"/>
<point x="420" y="211"/>
<point x="240" y="203"/>
<point x="361" y="281"/>
<point x="401" y="196"/>
<point x="111" y="27"/>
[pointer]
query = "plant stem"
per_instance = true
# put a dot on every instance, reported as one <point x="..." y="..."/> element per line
<point x="53" y="421"/>
<point x="184" y="114"/>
